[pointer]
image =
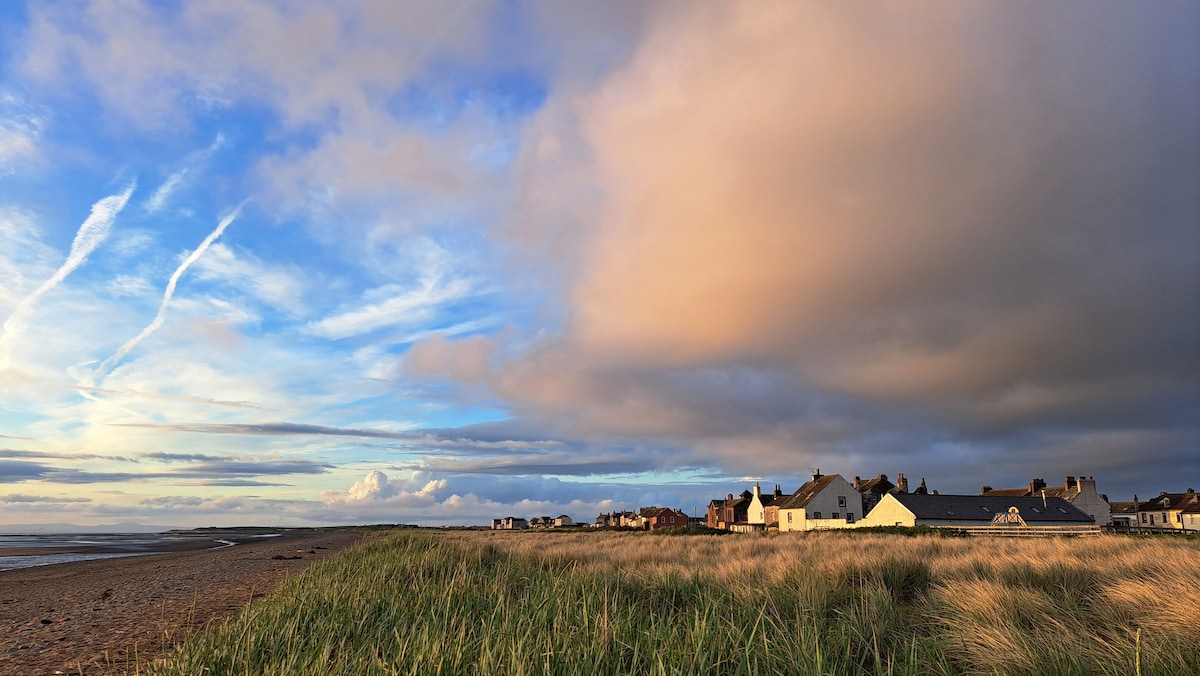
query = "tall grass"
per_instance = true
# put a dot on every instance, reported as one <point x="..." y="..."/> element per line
<point x="618" y="603"/>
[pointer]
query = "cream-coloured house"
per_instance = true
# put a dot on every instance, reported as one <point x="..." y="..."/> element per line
<point x="914" y="509"/>
<point x="825" y="502"/>
<point x="1170" y="510"/>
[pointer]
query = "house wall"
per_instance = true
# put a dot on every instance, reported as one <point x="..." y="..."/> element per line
<point x="756" y="513"/>
<point x="792" y="519"/>
<point x="1089" y="502"/>
<point x="889" y="512"/>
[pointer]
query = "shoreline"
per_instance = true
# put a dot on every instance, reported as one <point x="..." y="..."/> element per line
<point x="112" y="614"/>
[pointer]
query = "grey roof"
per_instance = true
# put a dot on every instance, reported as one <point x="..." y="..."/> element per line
<point x="985" y="507"/>
<point x="806" y="493"/>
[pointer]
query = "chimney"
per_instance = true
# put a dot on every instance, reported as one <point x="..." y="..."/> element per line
<point x="1070" y="483"/>
<point x="984" y="490"/>
<point x="778" y="491"/>
<point x="816" y="474"/>
<point x="757" y="491"/>
<point x="922" y="490"/>
<point x="1036" y="485"/>
<point x="901" y="483"/>
<point x="857" y="481"/>
<point x="729" y="498"/>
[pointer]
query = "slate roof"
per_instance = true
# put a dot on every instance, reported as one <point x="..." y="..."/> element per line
<point x="1171" y="501"/>
<point x="985" y="507"/>
<point x="805" y="493"/>
<point x="1123" y="507"/>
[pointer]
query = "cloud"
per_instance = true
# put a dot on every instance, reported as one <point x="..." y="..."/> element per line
<point x="91" y="233"/>
<point x="20" y="128"/>
<point x="420" y="303"/>
<point x="18" y="499"/>
<point x="272" y="429"/>
<point x="818" y="229"/>
<point x="158" y="200"/>
<point x="107" y="365"/>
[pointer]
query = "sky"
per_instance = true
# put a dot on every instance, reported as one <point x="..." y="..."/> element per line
<point x="319" y="263"/>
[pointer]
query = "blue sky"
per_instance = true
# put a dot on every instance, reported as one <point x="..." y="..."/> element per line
<point x="322" y="263"/>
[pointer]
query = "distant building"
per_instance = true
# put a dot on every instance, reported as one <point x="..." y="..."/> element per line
<point x="1080" y="492"/>
<point x="665" y="517"/>
<point x="725" y="514"/>
<point x="510" y="523"/>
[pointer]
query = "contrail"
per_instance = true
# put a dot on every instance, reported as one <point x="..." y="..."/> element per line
<point x="107" y="364"/>
<point x="89" y="236"/>
<point x="159" y="199"/>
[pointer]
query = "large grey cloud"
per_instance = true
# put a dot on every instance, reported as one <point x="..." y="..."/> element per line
<point x="856" y="236"/>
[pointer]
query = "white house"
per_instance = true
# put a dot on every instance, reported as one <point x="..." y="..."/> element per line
<point x="825" y="502"/>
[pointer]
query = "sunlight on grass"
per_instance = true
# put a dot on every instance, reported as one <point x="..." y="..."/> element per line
<point x="621" y="603"/>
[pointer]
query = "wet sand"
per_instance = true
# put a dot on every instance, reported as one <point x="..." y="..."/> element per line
<point x="108" y="615"/>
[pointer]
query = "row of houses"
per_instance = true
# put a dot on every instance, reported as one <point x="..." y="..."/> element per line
<point x="536" y="523"/>
<point x="646" y="518"/>
<point x="1169" y="511"/>
<point x="829" y="501"/>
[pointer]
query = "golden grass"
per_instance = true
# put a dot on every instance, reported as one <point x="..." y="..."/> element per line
<point x="619" y="602"/>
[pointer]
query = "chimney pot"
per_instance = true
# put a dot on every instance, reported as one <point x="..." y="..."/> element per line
<point x="984" y="490"/>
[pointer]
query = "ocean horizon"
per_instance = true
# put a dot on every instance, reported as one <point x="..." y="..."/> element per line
<point x="19" y="551"/>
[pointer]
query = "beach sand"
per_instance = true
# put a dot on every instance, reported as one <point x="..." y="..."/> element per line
<point x="108" y="616"/>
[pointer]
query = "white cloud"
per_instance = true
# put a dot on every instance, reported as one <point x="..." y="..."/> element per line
<point x="92" y="232"/>
<point x="282" y="288"/>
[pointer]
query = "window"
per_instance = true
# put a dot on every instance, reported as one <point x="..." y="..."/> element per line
<point x="816" y="515"/>
<point x="849" y="517"/>
<point x="835" y="515"/>
<point x="984" y="508"/>
<point x="841" y="501"/>
<point x="1151" y="519"/>
<point x="1143" y="518"/>
<point x="1179" y="518"/>
<point x="789" y="517"/>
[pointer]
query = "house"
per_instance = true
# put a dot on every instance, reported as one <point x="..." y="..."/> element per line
<point x="824" y="502"/>
<point x="1124" y="514"/>
<point x="732" y="510"/>
<point x="510" y="523"/>
<point x="871" y="491"/>
<point x="913" y="509"/>
<point x="563" y="521"/>
<point x="1080" y="492"/>
<point x="1170" y="510"/>
<point x="665" y="517"/>
<point x="759" y="514"/>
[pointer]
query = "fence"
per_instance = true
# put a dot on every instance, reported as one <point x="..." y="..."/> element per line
<point x="1028" y="531"/>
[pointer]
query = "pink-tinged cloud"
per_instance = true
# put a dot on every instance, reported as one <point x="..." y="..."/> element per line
<point x="809" y="222"/>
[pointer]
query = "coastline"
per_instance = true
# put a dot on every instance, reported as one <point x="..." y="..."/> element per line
<point x="111" y="614"/>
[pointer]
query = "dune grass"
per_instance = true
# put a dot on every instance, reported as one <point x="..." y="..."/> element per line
<point x="621" y="603"/>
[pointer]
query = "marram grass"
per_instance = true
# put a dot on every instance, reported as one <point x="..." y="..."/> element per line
<point x="625" y="603"/>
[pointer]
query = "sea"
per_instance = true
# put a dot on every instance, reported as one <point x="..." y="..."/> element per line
<point x="27" y="551"/>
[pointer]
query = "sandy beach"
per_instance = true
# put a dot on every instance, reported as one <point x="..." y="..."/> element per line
<point x="103" y="616"/>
